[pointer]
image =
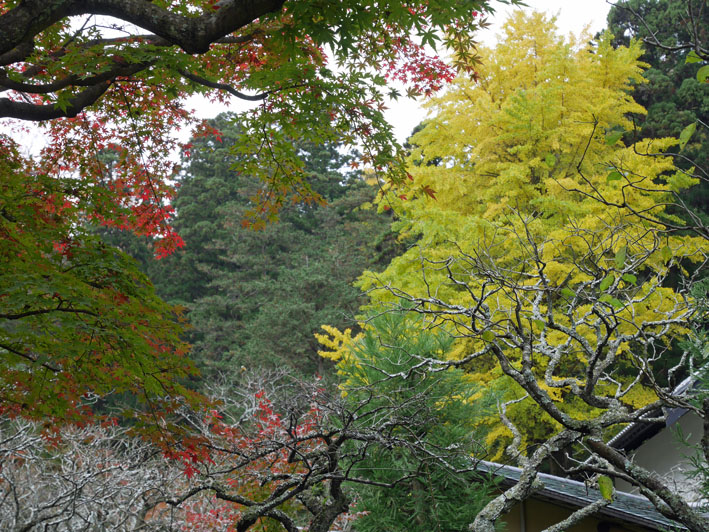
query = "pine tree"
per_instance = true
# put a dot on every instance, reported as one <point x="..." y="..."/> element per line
<point x="431" y="474"/>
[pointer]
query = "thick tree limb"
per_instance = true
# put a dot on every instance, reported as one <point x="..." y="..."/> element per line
<point x="528" y="483"/>
<point x="19" y="53"/>
<point x="680" y="510"/>
<point x="97" y="86"/>
<point x="337" y="504"/>
<point x="73" y="80"/>
<point x="193" y="34"/>
<point x="38" y="113"/>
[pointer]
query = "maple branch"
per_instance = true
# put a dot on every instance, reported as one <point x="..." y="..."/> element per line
<point x="38" y="113"/>
<point x="193" y="34"/>
<point x="154" y="40"/>
<point x="20" y="25"/>
<point x="19" y="53"/>
<point x="224" y="87"/>
<point x="73" y="80"/>
<point x="22" y="52"/>
<point x="28" y="357"/>
<point x="231" y="90"/>
<point x="97" y="86"/>
<point x="39" y="312"/>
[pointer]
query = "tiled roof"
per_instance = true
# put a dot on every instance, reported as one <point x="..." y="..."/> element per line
<point x="625" y="507"/>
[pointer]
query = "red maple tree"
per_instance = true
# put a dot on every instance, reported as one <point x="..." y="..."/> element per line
<point x="109" y="81"/>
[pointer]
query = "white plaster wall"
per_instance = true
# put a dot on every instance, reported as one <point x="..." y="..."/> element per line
<point x="666" y="455"/>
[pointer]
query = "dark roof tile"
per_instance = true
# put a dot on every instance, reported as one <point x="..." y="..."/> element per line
<point x="625" y="506"/>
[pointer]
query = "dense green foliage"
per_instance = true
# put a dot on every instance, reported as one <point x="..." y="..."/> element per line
<point x="78" y="320"/>
<point x="255" y="297"/>
<point x="383" y="368"/>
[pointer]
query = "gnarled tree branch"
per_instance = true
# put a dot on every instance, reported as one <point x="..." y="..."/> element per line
<point x="194" y="34"/>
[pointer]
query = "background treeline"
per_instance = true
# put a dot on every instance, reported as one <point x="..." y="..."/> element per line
<point x="255" y="298"/>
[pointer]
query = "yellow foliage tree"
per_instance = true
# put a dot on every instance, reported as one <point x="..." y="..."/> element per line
<point x="543" y="241"/>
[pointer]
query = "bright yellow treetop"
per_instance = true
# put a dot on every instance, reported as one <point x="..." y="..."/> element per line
<point x="540" y="233"/>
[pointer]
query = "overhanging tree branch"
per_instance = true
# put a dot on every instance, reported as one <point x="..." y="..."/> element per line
<point x="680" y="510"/>
<point x="193" y="34"/>
<point x="39" y="113"/>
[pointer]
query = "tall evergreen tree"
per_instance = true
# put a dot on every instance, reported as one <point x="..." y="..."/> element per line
<point x="256" y="297"/>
